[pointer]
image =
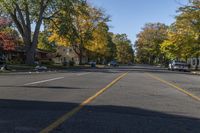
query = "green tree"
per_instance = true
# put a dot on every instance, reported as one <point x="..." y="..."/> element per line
<point x="44" y="44"/>
<point x="189" y="23"/>
<point x="124" y="50"/>
<point x="149" y="41"/>
<point x="112" y="47"/>
<point x="183" y="39"/>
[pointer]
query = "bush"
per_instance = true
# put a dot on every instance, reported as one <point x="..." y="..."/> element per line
<point x="46" y="62"/>
<point x="65" y="63"/>
<point x="71" y="63"/>
<point x="14" y="62"/>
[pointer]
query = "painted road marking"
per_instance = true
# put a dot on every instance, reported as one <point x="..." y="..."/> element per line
<point x="81" y="74"/>
<point x="43" y="81"/>
<point x="175" y="86"/>
<point x="68" y="115"/>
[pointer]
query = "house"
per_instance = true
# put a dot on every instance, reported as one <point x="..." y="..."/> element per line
<point x="10" y="50"/>
<point x="66" y="54"/>
<point x="18" y="55"/>
<point x="42" y="55"/>
<point x="193" y="62"/>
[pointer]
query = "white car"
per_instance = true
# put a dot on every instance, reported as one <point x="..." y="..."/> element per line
<point x="178" y="65"/>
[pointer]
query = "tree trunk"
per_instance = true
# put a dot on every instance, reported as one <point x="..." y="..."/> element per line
<point x="81" y="48"/>
<point x="22" y="21"/>
<point x="30" y="56"/>
<point x="80" y="57"/>
<point x="30" y="48"/>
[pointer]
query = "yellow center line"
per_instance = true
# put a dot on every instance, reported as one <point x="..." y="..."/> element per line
<point x="174" y="86"/>
<point x="66" y="116"/>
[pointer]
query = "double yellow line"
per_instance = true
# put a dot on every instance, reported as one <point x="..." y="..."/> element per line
<point x="66" y="116"/>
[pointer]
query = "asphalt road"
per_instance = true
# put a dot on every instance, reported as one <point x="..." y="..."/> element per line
<point x="128" y="99"/>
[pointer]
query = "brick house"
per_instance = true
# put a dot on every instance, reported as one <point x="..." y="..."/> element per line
<point x="18" y="55"/>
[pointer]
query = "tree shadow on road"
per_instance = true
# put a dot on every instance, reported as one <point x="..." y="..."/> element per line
<point x="31" y="116"/>
<point x="46" y="87"/>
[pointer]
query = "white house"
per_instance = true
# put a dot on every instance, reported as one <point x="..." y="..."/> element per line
<point x="66" y="54"/>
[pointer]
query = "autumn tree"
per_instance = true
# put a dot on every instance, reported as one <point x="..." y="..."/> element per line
<point x="76" y="28"/>
<point x="101" y="46"/>
<point x="177" y="46"/>
<point x="44" y="43"/>
<point x="9" y="37"/>
<point x="149" y="41"/>
<point x="28" y="16"/>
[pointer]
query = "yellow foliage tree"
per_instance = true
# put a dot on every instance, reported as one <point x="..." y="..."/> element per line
<point x="75" y="29"/>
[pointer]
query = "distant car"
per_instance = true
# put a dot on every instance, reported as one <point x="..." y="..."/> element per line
<point x="130" y="63"/>
<point x="113" y="63"/>
<point x="3" y="65"/>
<point x="92" y="63"/>
<point x="40" y="68"/>
<point x="178" y="65"/>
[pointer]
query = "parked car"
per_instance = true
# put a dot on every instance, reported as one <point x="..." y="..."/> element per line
<point x="113" y="63"/>
<point x="3" y="65"/>
<point x="2" y="59"/>
<point x="178" y="65"/>
<point x="41" y="68"/>
<point x="92" y="63"/>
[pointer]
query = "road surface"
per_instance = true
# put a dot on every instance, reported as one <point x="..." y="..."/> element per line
<point x="128" y="99"/>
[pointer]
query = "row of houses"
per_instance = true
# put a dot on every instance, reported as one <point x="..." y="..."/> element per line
<point x="13" y="52"/>
<point x="62" y="55"/>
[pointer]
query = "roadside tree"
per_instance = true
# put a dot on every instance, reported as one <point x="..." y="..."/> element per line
<point x="76" y="29"/>
<point x="183" y="39"/>
<point x="124" y="50"/>
<point x="149" y="41"/>
<point x="28" y="16"/>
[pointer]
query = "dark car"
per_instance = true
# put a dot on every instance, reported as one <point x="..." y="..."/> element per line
<point x="113" y="63"/>
<point x="2" y="59"/>
<point x="92" y="63"/>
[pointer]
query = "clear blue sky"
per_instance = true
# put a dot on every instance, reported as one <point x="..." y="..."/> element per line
<point x="129" y="16"/>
